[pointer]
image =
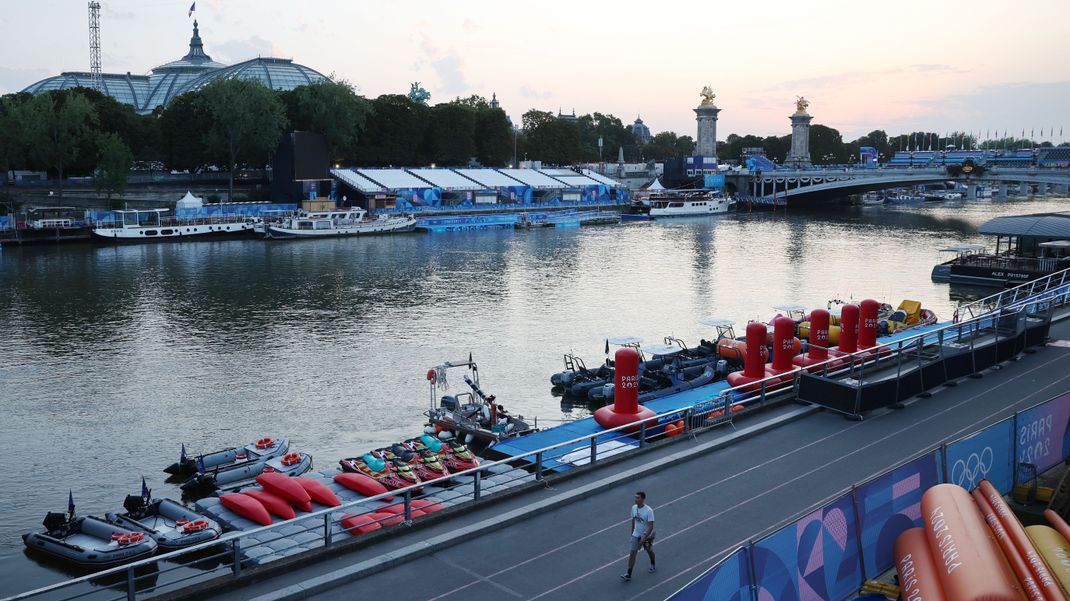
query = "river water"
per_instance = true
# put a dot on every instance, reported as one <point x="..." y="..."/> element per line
<point x="111" y="356"/>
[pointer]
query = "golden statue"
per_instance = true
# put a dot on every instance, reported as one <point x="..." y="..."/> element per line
<point x="707" y="96"/>
<point x="801" y="103"/>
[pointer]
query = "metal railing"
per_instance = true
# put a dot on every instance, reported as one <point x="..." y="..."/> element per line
<point x="229" y="553"/>
<point x="1009" y="296"/>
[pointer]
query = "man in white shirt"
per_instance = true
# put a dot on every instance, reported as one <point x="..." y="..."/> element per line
<point x="642" y="533"/>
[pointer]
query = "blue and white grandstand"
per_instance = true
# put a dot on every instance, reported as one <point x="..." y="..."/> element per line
<point x="441" y="189"/>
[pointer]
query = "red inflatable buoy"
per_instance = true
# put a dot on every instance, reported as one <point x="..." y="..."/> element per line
<point x="783" y="348"/>
<point x="276" y="505"/>
<point x="867" y="326"/>
<point x="754" y="362"/>
<point x="848" y="330"/>
<point x="625" y="408"/>
<point x="819" y="340"/>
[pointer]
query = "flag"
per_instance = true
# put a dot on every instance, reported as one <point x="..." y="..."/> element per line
<point x="182" y="454"/>
<point x="607" y="346"/>
<point x="70" y="501"/>
<point x="200" y="465"/>
<point x="192" y="7"/>
<point x="145" y="492"/>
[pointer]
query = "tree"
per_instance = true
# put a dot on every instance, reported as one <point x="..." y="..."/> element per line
<point x="245" y="122"/>
<point x="826" y="145"/>
<point x="685" y="146"/>
<point x="12" y="134"/>
<point x="113" y="165"/>
<point x="613" y="132"/>
<point x="183" y="126"/>
<point x="550" y="139"/>
<point x="331" y="109"/>
<point x="494" y="137"/>
<point x="452" y="133"/>
<point x="56" y="127"/>
<point x="395" y="132"/>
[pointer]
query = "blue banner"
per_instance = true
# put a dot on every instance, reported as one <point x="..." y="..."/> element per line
<point x="729" y="580"/>
<point x="985" y="455"/>
<point x="713" y="181"/>
<point x="5" y="222"/>
<point x="1043" y="437"/>
<point x="890" y="504"/>
<point x="814" y="558"/>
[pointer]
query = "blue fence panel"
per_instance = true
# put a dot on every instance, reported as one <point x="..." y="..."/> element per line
<point x="814" y="558"/>
<point x="5" y="222"/>
<point x="729" y="580"/>
<point x="985" y="455"/>
<point x="890" y="504"/>
<point x="1043" y="436"/>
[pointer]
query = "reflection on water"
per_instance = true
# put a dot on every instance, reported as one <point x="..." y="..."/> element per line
<point x="112" y="356"/>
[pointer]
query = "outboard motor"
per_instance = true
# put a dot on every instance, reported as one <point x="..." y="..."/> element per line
<point x="722" y="368"/>
<point x="448" y="402"/>
<point x="135" y="504"/>
<point x="55" y="521"/>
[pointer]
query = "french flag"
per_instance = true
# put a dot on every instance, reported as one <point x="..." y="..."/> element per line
<point x="192" y="7"/>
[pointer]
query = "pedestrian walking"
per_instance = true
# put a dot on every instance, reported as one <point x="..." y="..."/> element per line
<point x="642" y="534"/>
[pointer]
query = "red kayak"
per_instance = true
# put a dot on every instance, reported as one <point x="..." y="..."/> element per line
<point x="365" y="485"/>
<point x="287" y="488"/>
<point x="247" y="507"/>
<point x="394" y="475"/>
<point x="276" y="505"/>
<point x="319" y="492"/>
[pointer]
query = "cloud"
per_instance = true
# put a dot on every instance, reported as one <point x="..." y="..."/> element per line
<point x="470" y="26"/>
<point x="113" y="14"/>
<point x="447" y="65"/>
<point x="850" y="78"/>
<point x="234" y="51"/>
<point x="14" y="80"/>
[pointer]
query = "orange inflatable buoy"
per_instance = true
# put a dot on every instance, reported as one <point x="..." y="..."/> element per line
<point x="674" y="429"/>
<point x="265" y="442"/>
<point x="918" y="577"/>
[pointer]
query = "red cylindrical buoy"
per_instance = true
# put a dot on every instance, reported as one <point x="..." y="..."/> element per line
<point x="625" y="408"/>
<point x="753" y="362"/>
<point x="848" y="330"/>
<point x="819" y="339"/>
<point x="867" y="327"/>
<point x="783" y="346"/>
<point x="918" y="577"/>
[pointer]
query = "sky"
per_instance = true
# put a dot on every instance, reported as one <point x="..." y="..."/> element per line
<point x="899" y="66"/>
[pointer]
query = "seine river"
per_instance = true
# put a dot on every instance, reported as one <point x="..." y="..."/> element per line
<point x="111" y="356"/>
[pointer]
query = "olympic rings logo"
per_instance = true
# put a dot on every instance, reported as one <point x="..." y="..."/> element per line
<point x="969" y="472"/>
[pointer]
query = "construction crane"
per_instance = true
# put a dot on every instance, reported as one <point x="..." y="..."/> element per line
<point x="94" y="46"/>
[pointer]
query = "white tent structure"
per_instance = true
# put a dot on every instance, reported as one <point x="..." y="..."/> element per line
<point x="189" y="201"/>
<point x="655" y="186"/>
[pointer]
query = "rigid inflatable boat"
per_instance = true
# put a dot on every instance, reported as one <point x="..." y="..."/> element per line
<point x="169" y="523"/>
<point x="260" y="451"/>
<point x="237" y="475"/>
<point x="89" y="541"/>
<point x="474" y="416"/>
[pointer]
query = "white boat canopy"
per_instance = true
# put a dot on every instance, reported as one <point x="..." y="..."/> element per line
<point x="716" y="322"/>
<point x="790" y="308"/>
<point x="624" y="340"/>
<point x="655" y="185"/>
<point x="963" y="248"/>
<point x="662" y="349"/>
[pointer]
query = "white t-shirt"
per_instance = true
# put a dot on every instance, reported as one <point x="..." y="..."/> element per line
<point x="642" y="515"/>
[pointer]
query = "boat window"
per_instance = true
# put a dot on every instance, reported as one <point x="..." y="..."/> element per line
<point x="151" y="232"/>
<point x="323" y="225"/>
<point x="304" y="225"/>
<point x="676" y="205"/>
<point x="166" y="232"/>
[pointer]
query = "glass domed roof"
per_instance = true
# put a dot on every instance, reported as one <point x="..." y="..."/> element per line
<point x="128" y="89"/>
<point x="275" y="73"/>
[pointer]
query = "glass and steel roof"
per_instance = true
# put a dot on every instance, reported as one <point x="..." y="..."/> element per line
<point x="128" y="89"/>
<point x="274" y="73"/>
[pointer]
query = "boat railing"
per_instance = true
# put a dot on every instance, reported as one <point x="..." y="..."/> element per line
<point x="1012" y="295"/>
<point x="178" y="221"/>
<point x="225" y="557"/>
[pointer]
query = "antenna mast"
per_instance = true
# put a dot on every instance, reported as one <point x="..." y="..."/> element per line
<point x="94" y="45"/>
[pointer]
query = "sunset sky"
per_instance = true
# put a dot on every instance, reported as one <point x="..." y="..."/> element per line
<point x="896" y="66"/>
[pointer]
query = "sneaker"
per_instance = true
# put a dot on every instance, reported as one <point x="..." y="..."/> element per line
<point x="626" y="577"/>
<point x="652" y="569"/>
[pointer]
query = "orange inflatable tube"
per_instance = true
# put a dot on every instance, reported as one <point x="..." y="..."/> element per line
<point x="1026" y="551"/>
<point x="1058" y="523"/>
<point x="1010" y="552"/>
<point x="1054" y="549"/>
<point x="967" y="558"/>
<point x="918" y="578"/>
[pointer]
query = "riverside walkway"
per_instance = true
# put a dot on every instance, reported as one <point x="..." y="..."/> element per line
<point x="710" y="494"/>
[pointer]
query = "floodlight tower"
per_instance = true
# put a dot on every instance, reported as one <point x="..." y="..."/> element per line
<point x="94" y="45"/>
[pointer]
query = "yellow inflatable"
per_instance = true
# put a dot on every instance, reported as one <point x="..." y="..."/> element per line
<point x="1055" y="551"/>
<point x="834" y="333"/>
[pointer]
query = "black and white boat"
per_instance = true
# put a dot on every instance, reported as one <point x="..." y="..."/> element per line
<point x="474" y="416"/>
<point x="140" y="225"/>
<point x="172" y="525"/>
<point x="89" y="542"/>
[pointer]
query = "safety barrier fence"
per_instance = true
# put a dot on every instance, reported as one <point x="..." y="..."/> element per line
<point x="234" y="551"/>
<point x="1012" y="295"/>
<point x="827" y="551"/>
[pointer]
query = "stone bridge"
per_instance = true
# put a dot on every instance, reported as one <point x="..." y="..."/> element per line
<point x="818" y="185"/>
